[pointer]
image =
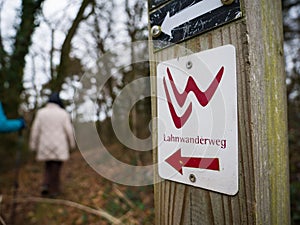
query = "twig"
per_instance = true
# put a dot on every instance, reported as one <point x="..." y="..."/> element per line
<point x="97" y="212"/>
<point x="1" y="198"/>
<point x="2" y="221"/>
<point x="123" y="196"/>
<point x="129" y="216"/>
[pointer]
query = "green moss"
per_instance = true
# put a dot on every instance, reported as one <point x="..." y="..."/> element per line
<point x="276" y="119"/>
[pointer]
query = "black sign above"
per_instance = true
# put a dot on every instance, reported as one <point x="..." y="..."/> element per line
<point x="179" y="20"/>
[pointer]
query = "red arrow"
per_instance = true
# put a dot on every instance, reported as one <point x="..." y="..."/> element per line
<point x="177" y="161"/>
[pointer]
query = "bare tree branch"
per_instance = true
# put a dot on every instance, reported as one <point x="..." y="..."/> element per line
<point x="97" y="212"/>
<point x="3" y="53"/>
<point x="62" y="71"/>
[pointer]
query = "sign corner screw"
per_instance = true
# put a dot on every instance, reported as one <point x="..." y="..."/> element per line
<point x="192" y="178"/>
<point x="155" y="31"/>
<point x="189" y="65"/>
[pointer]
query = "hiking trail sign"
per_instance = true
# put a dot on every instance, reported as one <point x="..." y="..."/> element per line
<point x="197" y="120"/>
<point x="176" y="21"/>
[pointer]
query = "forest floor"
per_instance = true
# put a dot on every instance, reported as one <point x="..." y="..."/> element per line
<point x="86" y="198"/>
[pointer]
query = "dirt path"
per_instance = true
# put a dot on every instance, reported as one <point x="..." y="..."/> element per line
<point x="87" y="198"/>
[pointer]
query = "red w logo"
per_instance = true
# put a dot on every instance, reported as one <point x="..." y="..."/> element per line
<point x="191" y="86"/>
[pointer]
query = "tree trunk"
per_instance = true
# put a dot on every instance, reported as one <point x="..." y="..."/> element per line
<point x="12" y="66"/>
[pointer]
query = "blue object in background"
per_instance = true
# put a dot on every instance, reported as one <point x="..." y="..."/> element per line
<point x="9" y="125"/>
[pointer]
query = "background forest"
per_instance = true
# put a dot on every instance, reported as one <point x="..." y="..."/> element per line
<point x="291" y="27"/>
<point x="46" y="46"/>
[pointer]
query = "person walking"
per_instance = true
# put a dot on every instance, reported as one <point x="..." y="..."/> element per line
<point x="52" y="137"/>
<point x="9" y="125"/>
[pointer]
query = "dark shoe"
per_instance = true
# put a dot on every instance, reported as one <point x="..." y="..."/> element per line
<point x="54" y="195"/>
<point x="45" y="190"/>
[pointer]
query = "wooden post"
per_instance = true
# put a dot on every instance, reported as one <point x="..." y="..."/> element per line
<point x="263" y="196"/>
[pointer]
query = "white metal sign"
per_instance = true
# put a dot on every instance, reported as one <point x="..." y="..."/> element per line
<point x="197" y="120"/>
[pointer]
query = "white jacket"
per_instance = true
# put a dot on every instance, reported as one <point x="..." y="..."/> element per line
<point x="52" y="134"/>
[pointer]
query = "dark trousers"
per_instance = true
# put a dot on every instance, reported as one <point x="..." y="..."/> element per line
<point x="52" y="176"/>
